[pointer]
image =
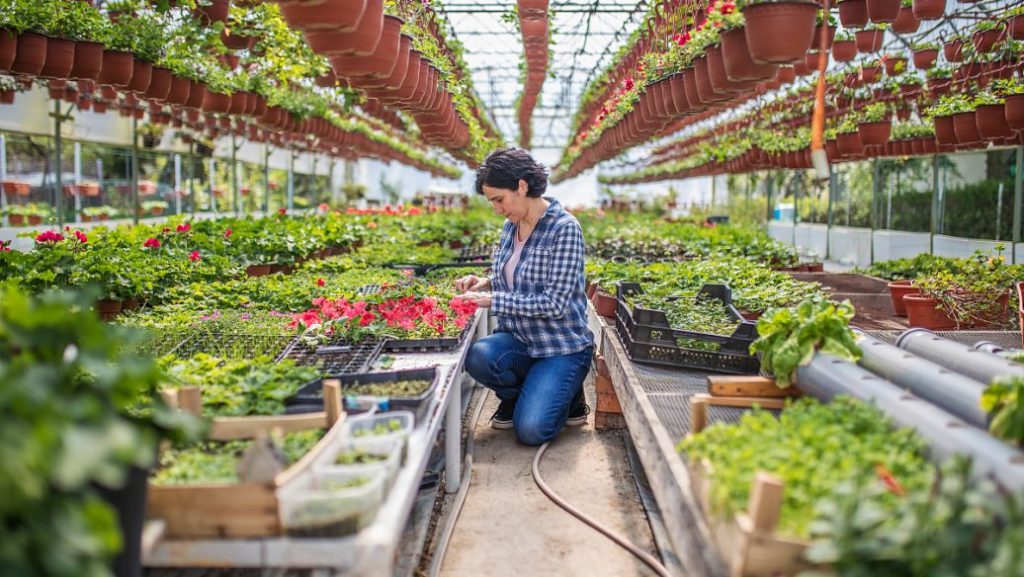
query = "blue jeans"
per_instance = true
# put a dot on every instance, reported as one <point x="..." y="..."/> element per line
<point x="542" y="387"/>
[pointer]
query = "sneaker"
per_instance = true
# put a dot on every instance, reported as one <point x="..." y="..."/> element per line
<point x="578" y="412"/>
<point x="502" y="418"/>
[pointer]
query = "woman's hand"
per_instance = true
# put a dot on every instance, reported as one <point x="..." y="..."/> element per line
<point x="473" y="283"/>
<point x="482" y="300"/>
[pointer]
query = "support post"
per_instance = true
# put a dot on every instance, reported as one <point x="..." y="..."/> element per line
<point x="875" y="170"/>
<point x="999" y="209"/>
<point x="177" y="184"/>
<point x="1018" y="197"/>
<point x="768" y="186"/>
<point x="3" y="176"/>
<point x="192" y="177"/>
<point x="832" y="186"/>
<point x="291" y="180"/>
<point x="213" y="180"/>
<point x="266" y="179"/>
<point x="234" y="177"/>
<point x="58" y="199"/>
<point x="135" y="170"/>
<point x="78" y="181"/>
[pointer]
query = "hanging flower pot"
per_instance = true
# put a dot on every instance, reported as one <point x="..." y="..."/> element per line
<point x="844" y="50"/>
<point x="214" y="102"/>
<point x="88" y="60"/>
<point x="870" y="40"/>
<point x="880" y="11"/>
<point x="984" y="40"/>
<point x="142" y="74"/>
<point x="8" y="48"/>
<point x="966" y="128"/>
<point x="381" y="62"/>
<point x="1015" y="26"/>
<point x="361" y="41"/>
<point x="849" y="144"/>
<point x="60" y="58"/>
<point x="196" y="94"/>
<point x="213" y="10"/>
<point x="739" y="66"/>
<point x="906" y="22"/>
<point x="237" y="42"/>
<point x="159" y="84"/>
<point x="951" y="50"/>
<point x="991" y="121"/>
<point x="945" y="132"/>
<point x="874" y="133"/>
<point x="339" y="15"/>
<point x="892" y="63"/>
<point x="929" y="9"/>
<point x="870" y="74"/>
<point x="853" y="13"/>
<point x="939" y="86"/>
<point x="786" y="75"/>
<point x="925" y="58"/>
<point x="1014" y="111"/>
<point x="830" y="31"/>
<point x="117" y="68"/>
<point x="779" y="32"/>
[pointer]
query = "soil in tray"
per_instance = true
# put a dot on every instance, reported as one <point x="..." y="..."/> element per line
<point x="394" y="389"/>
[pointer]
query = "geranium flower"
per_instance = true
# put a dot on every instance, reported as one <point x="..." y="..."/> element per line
<point x="629" y="84"/>
<point x="320" y="282"/>
<point x="228" y="232"/>
<point x="414" y="211"/>
<point x="371" y="224"/>
<point x="184" y="227"/>
<point x="49" y="237"/>
<point x="195" y="256"/>
<point x="82" y="238"/>
<point x="151" y="242"/>
<point x="282" y="211"/>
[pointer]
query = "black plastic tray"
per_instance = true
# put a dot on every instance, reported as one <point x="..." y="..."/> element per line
<point x="234" y="346"/>
<point x="338" y="358"/>
<point x="310" y="397"/>
<point x="438" y="345"/>
<point x="648" y="337"/>
<point x="478" y="254"/>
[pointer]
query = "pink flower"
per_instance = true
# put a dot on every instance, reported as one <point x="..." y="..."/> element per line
<point x="371" y="224"/>
<point x="228" y="232"/>
<point x="82" y="238"/>
<point x="49" y="237"/>
<point x="195" y="256"/>
<point x="320" y="282"/>
<point x="629" y="84"/>
<point x="282" y="211"/>
<point x="151" y="242"/>
<point x="184" y="227"/>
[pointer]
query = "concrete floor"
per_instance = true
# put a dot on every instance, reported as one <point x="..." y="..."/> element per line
<point x="508" y="527"/>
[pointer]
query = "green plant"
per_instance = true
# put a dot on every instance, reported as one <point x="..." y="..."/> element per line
<point x="969" y="294"/>
<point x="149" y="205"/>
<point x="214" y="462"/>
<point x="77" y="413"/>
<point x="926" y="44"/>
<point x="789" y="338"/>
<point x="1004" y="400"/>
<point x="875" y="112"/>
<point x="951" y="104"/>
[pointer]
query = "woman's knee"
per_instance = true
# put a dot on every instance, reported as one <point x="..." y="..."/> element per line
<point x="534" y="432"/>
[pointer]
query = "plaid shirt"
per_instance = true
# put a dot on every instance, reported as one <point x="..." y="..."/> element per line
<point x="547" y="309"/>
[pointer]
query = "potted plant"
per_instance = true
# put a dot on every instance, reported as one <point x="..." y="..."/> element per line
<point x="844" y="48"/>
<point x="925" y="54"/>
<point x="990" y="115"/>
<point x="977" y="295"/>
<point x="986" y="33"/>
<point x="929" y="9"/>
<point x="779" y="32"/>
<point x="154" y="207"/>
<point x="940" y="79"/>
<point x="32" y="213"/>
<point x="98" y="213"/>
<point x="943" y="115"/>
<point x="875" y="124"/>
<point x="1012" y="92"/>
<point x="871" y="38"/>
<point x="853" y="13"/>
<point x="906" y="22"/>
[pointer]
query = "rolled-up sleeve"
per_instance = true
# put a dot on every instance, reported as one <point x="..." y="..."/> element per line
<point x="566" y="264"/>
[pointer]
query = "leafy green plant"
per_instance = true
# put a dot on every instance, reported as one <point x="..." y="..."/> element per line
<point x="791" y="337"/>
<point x="214" y="462"/>
<point x="875" y="112"/>
<point x="970" y="294"/>
<point x="814" y="448"/>
<point x="1004" y="400"/>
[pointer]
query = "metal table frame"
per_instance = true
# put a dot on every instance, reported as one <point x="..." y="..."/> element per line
<point x="370" y="552"/>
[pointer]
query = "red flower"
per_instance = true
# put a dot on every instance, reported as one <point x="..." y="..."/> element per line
<point x="165" y="230"/>
<point x="371" y="224"/>
<point x="414" y="211"/>
<point x="629" y="84"/>
<point x="184" y="227"/>
<point x="366" y="318"/>
<point x="228" y="232"/>
<point x="727" y="8"/>
<point x="151" y="242"/>
<point x="49" y="237"/>
<point x="320" y="282"/>
<point x="81" y="237"/>
<point x="195" y="256"/>
<point x="282" y="211"/>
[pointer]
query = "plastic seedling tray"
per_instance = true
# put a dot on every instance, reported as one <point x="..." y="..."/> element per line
<point x="479" y="254"/>
<point x="390" y="425"/>
<point x="649" y="338"/>
<point x="337" y="358"/>
<point x="230" y="345"/>
<point x="437" y="345"/>
<point x="331" y="503"/>
<point x="310" y="396"/>
<point x="387" y="455"/>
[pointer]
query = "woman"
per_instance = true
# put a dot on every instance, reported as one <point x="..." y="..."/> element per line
<point x="540" y="354"/>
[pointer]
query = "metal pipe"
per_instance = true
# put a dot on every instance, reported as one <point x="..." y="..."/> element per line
<point x="978" y="365"/>
<point x="946" y="436"/>
<point x="952" y="392"/>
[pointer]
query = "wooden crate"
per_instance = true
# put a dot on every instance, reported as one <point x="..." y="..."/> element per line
<point x="747" y="540"/>
<point x="240" y="510"/>
<point x="747" y="386"/>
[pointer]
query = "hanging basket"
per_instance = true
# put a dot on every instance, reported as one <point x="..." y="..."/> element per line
<point x="966" y="128"/>
<point x="869" y="40"/>
<point x="854" y="13"/>
<point x="991" y="121"/>
<point x="1015" y="111"/>
<point x="906" y="22"/>
<point x="780" y="32"/>
<point x="880" y="11"/>
<point x="88" y="61"/>
<point x="844" y="50"/>
<point x="60" y="58"/>
<point x="929" y="9"/>
<point x="925" y="59"/>
<point x="8" y="48"/>
<point x="874" y="133"/>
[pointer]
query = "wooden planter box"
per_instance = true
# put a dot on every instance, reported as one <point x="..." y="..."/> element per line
<point x="239" y="510"/>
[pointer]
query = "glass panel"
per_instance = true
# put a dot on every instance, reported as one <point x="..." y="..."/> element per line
<point x="977" y="194"/>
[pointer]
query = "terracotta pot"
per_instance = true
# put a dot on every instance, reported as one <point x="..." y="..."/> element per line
<point x="257" y="270"/>
<point x="945" y="133"/>
<point x="951" y="50"/>
<point x="214" y="102"/>
<point x="60" y="58"/>
<point x="985" y="39"/>
<point x="892" y="63"/>
<point x="849" y="144"/>
<point x="906" y="22"/>
<point x="991" y="121"/>
<point x="30" y="56"/>
<point x="338" y="15"/>
<point x="216" y="11"/>
<point x="874" y="133"/>
<point x="361" y="41"/>
<point x="8" y="48"/>
<point x="381" y="62"/>
<point x="236" y="42"/>
<point x="779" y="32"/>
<point x="870" y="74"/>
<point x="108" y="309"/>
<point x="117" y="68"/>
<point x="1015" y="111"/>
<point x="925" y="59"/>
<point x="929" y="9"/>
<point x="159" y="84"/>
<point x="605" y="304"/>
<point x="869" y="40"/>
<point x="739" y="66"/>
<point x="1015" y="27"/>
<point x="922" y="311"/>
<point x="88" y="60"/>
<point x="880" y="11"/>
<point x="853" y="13"/>
<point x="844" y="50"/>
<point x="966" y="128"/>
<point x="16" y="219"/>
<point x="899" y="289"/>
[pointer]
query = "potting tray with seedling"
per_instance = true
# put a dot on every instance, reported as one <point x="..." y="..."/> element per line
<point x="436" y="345"/>
<point x="478" y="254"/>
<point x="335" y="358"/>
<point x="405" y="389"/>
<point x="648" y="335"/>
<point x="234" y="346"/>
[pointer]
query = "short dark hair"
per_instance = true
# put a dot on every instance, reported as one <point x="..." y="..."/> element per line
<point x="504" y="167"/>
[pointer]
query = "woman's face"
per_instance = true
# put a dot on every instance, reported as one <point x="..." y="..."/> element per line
<point x="511" y="204"/>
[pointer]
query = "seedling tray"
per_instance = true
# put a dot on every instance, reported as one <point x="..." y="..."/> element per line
<point x="337" y="358"/>
<point x="234" y="346"/>
<point x="438" y="345"/>
<point x="649" y="338"/>
<point x="311" y="395"/>
<point x="478" y="254"/>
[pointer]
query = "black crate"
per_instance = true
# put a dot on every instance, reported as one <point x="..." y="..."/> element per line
<point x="478" y="254"/>
<point x="234" y="346"/>
<point x="336" y="358"/>
<point x="310" y="397"/>
<point x="439" y="345"/>
<point x="648" y="337"/>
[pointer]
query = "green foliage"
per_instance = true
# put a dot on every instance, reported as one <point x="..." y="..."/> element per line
<point x="812" y="447"/>
<point x="970" y="294"/>
<point x="77" y="413"/>
<point x="238" y="388"/>
<point x="789" y="338"/>
<point x="1004" y="400"/>
<point x="214" y="462"/>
